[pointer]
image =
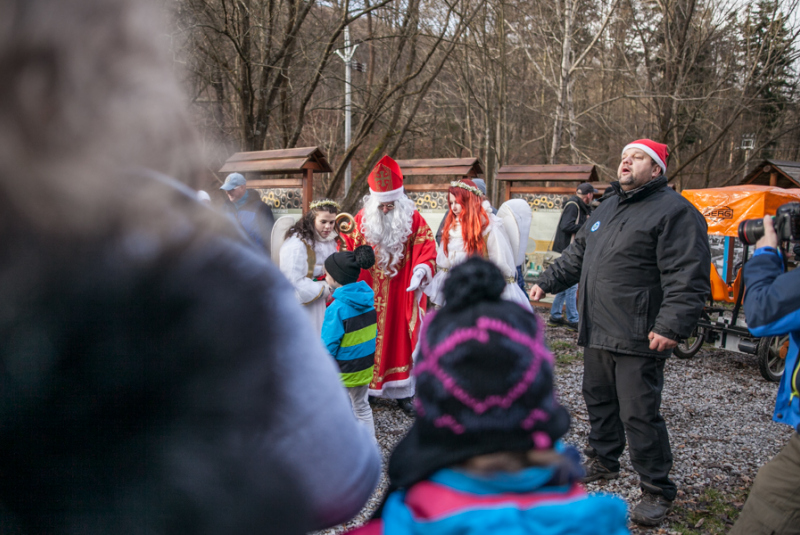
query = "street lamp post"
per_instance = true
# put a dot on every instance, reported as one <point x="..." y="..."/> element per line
<point x="347" y="55"/>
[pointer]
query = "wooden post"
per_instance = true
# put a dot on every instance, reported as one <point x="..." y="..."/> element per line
<point x="308" y="188"/>
<point x="773" y="178"/>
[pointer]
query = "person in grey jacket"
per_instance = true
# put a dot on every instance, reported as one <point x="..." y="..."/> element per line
<point x="643" y="263"/>
<point x="250" y="211"/>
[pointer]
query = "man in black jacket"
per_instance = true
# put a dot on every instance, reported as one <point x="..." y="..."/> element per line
<point x="576" y="210"/>
<point x="643" y="262"/>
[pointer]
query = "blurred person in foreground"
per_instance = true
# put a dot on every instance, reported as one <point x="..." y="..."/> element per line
<point x="643" y="263"/>
<point x="147" y="383"/>
<point x="485" y="453"/>
<point x="772" y="308"/>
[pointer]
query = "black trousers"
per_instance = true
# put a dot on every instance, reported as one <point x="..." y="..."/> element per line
<point x="623" y="398"/>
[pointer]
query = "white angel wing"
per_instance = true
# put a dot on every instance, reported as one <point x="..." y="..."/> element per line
<point x="516" y="216"/>
<point x="278" y="236"/>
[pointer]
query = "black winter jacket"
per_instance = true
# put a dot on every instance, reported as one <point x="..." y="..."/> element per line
<point x="643" y="263"/>
<point x="574" y="210"/>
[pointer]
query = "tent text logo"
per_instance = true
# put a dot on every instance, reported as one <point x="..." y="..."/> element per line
<point x="718" y="212"/>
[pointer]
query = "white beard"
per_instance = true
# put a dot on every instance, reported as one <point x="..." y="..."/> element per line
<point x="388" y="233"/>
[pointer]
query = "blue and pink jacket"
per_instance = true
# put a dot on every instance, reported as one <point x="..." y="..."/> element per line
<point x="455" y="502"/>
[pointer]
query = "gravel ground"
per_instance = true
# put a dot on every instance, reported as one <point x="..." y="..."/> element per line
<point x="718" y="410"/>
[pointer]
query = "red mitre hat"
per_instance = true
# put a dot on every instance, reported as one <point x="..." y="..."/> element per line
<point x="386" y="181"/>
<point x="657" y="151"/>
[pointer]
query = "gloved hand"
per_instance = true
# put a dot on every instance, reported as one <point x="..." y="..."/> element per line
<point x="416" y="279"/>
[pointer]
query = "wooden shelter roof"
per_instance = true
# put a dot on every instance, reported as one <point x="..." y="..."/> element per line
<point x="469" y="167"/>
<point x="548" y="173"/>
<point x="278" y="162"/>
<point x="788" y="174"/>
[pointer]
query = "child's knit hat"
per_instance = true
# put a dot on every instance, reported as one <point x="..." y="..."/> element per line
<point x="346" y="266"/>
<point x="484" y="380"/>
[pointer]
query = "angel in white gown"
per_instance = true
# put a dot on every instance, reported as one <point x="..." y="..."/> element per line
<point x="472" y="229"/>
<point x="302" y="257"/>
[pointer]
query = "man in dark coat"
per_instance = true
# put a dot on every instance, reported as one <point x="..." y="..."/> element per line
<point x="253" y="214"/>
<point x="576" y="210"/>
<point x="643" y="263"/>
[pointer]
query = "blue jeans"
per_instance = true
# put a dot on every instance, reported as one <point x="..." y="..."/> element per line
<point x="568" y="296"/>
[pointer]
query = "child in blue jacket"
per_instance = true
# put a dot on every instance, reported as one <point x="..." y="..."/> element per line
<point x="351" y="325"/>
<point x="484" y="454"/>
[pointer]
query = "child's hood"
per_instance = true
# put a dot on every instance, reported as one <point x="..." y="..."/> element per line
<point x="358" y="295"/>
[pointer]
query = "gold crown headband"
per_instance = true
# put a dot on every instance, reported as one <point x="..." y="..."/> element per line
<point x="462" y="185"/>
<point x="324" y="202"/>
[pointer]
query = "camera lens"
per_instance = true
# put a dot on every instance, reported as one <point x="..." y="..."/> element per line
<point x="751" y="230"/>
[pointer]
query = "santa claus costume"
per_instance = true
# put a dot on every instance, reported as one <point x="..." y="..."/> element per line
<point x="302" y="259"/>
<point x="472" y="229"/>
<point x="404" y="259"/>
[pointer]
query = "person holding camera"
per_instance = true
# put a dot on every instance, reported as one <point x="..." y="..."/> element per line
<point x="772" y="308"/>
<point x="643" y="263"/>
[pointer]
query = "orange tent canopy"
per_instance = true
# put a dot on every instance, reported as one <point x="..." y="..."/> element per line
<point x="725" y="208"/>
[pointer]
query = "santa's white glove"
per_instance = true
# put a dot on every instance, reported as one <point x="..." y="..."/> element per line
<point x="416" y="279"/>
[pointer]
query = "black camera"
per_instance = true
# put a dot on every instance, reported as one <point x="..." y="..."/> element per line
<point x="786" y="221"/>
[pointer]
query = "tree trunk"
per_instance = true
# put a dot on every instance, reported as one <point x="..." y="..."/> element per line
<point x="564" y="78"/>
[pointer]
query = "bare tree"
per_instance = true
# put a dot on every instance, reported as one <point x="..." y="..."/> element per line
<point x="510" y="81"/>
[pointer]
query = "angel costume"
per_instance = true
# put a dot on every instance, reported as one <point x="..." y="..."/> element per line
<point x="304" y="266"/>
<point x="498" y="251"/>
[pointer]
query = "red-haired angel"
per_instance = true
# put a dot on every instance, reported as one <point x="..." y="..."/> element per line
<point x="472" y="229"/>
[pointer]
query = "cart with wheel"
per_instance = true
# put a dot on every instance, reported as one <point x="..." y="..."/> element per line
<point x="722" y="322"/>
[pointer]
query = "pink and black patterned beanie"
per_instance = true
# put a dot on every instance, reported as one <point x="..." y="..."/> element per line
<point x="484" y="380"/>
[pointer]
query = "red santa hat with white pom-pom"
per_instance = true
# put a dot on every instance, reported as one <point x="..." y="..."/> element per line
<point x="657" y="151"/>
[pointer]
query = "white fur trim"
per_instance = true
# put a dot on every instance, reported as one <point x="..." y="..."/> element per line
<point x="396" y="389"/>
<point x="650" y="152"/>
<point x="388" y="196"/>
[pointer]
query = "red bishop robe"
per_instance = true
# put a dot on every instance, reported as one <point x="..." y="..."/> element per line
<point x="398" y="311"/>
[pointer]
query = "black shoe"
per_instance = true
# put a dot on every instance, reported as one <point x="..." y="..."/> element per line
<point x="406" y="405"/>
<point x="571" y="326"/>
<point x="552" y="321"/>
<point x="595" y="470"/>
<point x="651" y="510"/>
